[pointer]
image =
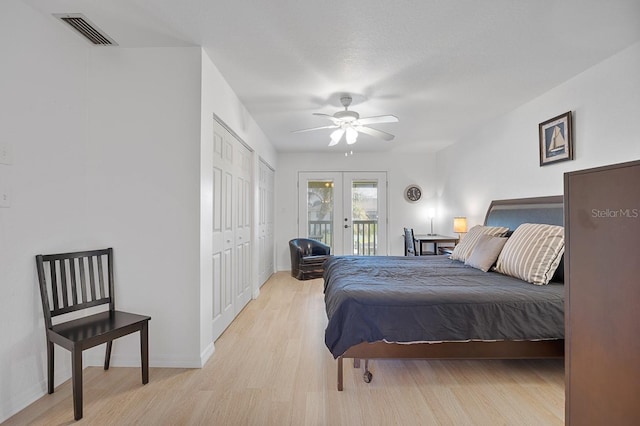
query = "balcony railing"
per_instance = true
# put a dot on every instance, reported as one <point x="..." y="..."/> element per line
<point x="321" y="230"/>
<point x="365" y="235"/>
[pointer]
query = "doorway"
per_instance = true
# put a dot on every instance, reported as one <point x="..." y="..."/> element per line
<point x="345" y="210"/>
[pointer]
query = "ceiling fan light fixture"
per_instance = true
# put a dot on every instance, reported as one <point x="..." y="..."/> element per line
<point x="336" y="135"/>
<point x="352" y="135"/>
<point x="349" y="122"/>
<point x="347" y="116"/>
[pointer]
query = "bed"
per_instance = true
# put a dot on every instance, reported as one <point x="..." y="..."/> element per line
<point x="435" y="307"/>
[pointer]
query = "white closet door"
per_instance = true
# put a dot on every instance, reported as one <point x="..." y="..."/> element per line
<point x="232" y="205"/>
<point x="243" y="211"/>
<point x="265" y="223"/>
<point x="222" y="256"/>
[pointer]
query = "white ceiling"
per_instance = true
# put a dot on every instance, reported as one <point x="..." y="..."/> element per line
<point x="441" y="66"/>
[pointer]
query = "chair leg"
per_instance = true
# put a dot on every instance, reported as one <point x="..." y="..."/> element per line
<point x="50" y="352"/>
<point x="76" y="377"/>
<point x="144" y="352"/>
<point x="107" y="355"/>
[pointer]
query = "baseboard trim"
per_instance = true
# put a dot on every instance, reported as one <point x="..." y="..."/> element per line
<point x="134" y="361"/>
<point x="17" y="402"/>
<point x="206" y="354"/>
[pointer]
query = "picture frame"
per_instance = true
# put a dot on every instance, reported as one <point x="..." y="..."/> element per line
<point x="556" y="139"/>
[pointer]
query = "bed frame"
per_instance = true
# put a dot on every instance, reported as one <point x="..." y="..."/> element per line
<point x="509" y="213"/>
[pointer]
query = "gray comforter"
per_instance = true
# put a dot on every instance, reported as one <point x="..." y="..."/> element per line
<point x="433" y="298"/>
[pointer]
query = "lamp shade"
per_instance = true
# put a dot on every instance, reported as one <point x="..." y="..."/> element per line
<point x="459" y="224"/>
<point x="352" y="135"/>
<point x="336" y="135"/>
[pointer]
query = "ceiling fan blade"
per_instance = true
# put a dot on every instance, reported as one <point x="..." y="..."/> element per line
<point x="333" y="126"/>
<point x="377" y="119"/>
<point x="375" y="133"/>
<point x="330" y="117"/>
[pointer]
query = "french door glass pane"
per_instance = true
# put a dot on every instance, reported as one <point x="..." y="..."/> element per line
<point x="320" y="210"/>
<point x="364" y="217"/>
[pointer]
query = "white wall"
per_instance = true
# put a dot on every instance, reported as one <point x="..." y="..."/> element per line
<point x="143" y="173"/>
<point x="43" y="109"/>
<point x="402" y="170"/>
<point x="501" y="159"/>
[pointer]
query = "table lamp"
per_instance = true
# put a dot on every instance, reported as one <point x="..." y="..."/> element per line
<point x="460" y="225"/>
<point x="430" y="214"/>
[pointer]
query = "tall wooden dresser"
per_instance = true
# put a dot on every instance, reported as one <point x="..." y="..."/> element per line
<point x="602" y="305"/>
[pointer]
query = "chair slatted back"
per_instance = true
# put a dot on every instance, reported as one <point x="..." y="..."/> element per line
<point x="409" y="242"/>
<point x="74" y="281"/>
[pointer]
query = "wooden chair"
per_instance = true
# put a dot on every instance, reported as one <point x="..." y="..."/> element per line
<point x="409" y="242"/>
<point x="72" y="282"/>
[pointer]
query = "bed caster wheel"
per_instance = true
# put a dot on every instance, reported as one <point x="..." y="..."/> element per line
<point x="367" y="376"/>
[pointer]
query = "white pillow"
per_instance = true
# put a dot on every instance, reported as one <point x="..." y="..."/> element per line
<point x="464" y="248"/>
<point x="532" y="253"/>
<point x="486" y="252"/>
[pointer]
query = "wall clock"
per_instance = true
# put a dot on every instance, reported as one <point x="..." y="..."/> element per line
<point x="413" y="193"/>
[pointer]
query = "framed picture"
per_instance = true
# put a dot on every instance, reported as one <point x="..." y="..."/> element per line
<point x="556" y="139"/>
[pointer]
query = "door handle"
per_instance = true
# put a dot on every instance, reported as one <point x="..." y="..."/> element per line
<point x="346" y="226"/>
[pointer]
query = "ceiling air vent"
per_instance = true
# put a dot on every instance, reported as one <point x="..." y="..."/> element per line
<point x="82" y="25"/>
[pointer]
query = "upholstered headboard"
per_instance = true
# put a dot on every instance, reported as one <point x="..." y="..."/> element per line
<point x="515" y="212"/>
<point x="512" y="213"/>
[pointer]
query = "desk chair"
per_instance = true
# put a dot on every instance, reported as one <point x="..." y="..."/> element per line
<point x="409" y="242"/>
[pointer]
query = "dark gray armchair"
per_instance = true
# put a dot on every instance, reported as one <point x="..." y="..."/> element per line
<point x="308" y="258"/>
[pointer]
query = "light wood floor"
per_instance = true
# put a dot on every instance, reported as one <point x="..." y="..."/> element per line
<point x="271" y="368"/>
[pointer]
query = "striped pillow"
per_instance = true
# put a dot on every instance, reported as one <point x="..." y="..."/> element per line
<point x="532" y="253"/>
<point x="465" y="246"/>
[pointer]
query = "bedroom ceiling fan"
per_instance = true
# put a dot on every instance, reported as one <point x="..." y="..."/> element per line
<point x="349" y="124"/>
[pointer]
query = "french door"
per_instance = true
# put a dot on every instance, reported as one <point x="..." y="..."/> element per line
<point x="345" y="210"/>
